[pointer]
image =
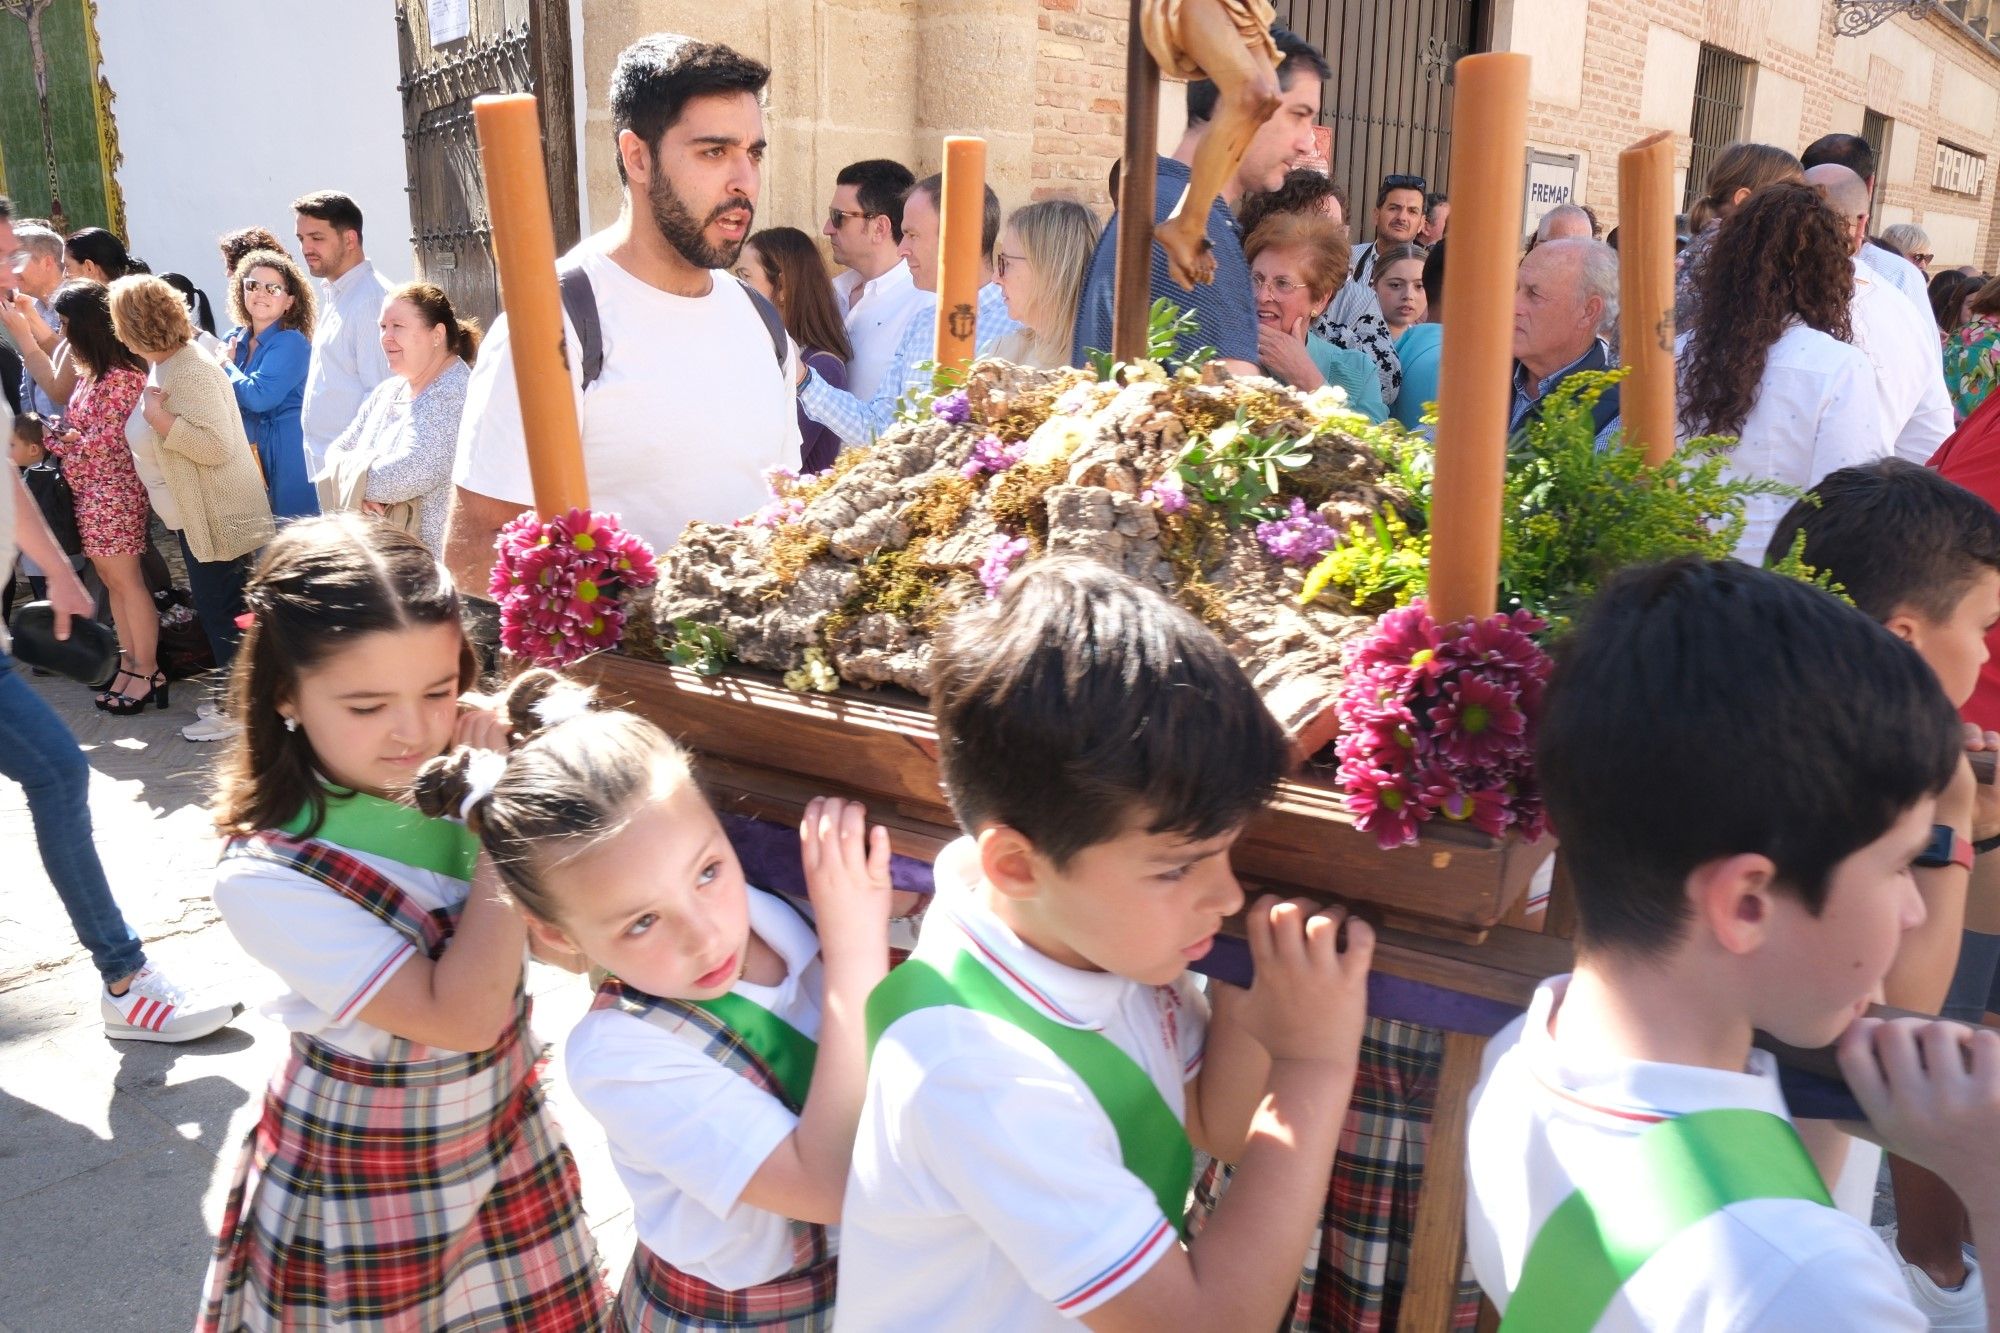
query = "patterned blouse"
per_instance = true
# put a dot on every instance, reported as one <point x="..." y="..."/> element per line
<point x="1972" y="363"/>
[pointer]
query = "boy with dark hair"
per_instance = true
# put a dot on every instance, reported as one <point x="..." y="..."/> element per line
<point x="1921" y="556"/>
<point x="1742" y="770"/>
<point x="682" y="375"/>
<point x="1226" y="313"/>
<point x="1040" y="1067"/>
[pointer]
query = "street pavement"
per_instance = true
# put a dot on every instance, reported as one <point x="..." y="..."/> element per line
<point x="116" y="1157"/>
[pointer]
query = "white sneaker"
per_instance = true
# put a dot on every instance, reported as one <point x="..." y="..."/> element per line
<point x="213" y="727"/>
<point x="208" y="708"/>
<point x="155" y="1009"/>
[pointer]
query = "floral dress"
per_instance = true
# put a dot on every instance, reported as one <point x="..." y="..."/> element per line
<point x="1972" y="363"/>
<point x="111" y="504"/>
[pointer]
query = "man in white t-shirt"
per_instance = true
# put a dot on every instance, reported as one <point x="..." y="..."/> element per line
<point x="1900" y="343"/>
<point x="692" y="401"/>
<point x="864" y="229"/>
<point x="1631" y="1161"/>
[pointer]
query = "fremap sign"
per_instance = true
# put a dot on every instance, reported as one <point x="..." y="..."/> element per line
<point x="1551" y="181"/>
<point x="1958" y="171"/>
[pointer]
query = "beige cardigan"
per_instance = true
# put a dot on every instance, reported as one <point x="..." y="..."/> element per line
<point x="209" y="463"/>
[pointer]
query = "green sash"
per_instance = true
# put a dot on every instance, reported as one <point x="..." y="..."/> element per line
<point x="787" y="1052"/>
<point x="1151" y="1138"/>
<point x="364" y="823"/>
<point x="1676" y="1173"/>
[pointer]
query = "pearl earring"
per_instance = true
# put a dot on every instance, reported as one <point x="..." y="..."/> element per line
<point x="291" y="724"/>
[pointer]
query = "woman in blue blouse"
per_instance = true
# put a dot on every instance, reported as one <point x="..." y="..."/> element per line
<point x="1412" y="284"/>
<point x="266" y="356"/>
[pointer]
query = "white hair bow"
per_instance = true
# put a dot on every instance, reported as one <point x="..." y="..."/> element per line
<point x="560" y="705"/>
<point x="482" y="774"/>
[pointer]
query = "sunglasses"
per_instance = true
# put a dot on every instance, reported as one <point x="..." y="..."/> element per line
<point x="1405" y="183"/>
<point x="252" y="286"/>
<point x="836" y="217"/>
<point x="1921" y="259"/>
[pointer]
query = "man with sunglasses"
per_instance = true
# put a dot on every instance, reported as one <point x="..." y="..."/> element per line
<point x="1399" y="217"/>
<point x="864" y="228"/>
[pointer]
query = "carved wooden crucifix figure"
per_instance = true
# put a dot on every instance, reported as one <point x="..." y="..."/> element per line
<point x="1229" y="43"/>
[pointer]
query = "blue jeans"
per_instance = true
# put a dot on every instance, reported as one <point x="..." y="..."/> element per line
<point x="38" y="751"/>
<point x="217" y="590"/>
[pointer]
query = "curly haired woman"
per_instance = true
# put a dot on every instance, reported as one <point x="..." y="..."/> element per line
<point x="1771" y="358"/>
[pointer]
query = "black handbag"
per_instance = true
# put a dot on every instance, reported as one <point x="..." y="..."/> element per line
<point x="50" y="488"/>
<point x="88" y="656"/>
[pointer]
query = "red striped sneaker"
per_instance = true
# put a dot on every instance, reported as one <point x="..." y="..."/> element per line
<point x="155" y="1009"/>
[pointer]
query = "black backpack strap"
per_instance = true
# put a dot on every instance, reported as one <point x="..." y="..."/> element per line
<point x="774" y="323"/>
<point x="580" y="304"/>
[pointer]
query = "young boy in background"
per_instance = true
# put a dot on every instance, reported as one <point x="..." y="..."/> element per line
<point x="1921" y="556"/>
<point x="1742" y="770"/>
<point x="1043" y="1063"/>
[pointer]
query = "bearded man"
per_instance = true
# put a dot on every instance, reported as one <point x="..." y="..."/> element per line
<point x="685" y="383"/>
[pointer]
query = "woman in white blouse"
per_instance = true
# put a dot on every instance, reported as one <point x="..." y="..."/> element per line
<point x="1771" y="358"/>
<point x="395" y="459"/>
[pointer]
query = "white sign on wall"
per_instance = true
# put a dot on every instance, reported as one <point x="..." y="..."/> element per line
<point x="1958" y="171"/>
<point x="1551" y="181"/>
<point x="450" y="20"/>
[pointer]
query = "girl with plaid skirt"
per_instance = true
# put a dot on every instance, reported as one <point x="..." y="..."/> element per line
<point x="405" y="1174"/>
<point x="725" y="1055"/>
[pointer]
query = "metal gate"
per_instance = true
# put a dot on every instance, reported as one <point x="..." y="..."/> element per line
<point x="511" y="46"/>
<point x="1721" y="81"/>
<point x="1389" y="101"/>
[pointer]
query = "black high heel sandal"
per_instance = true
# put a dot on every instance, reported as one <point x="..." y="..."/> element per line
<point x="111" y="691"/>
<point x="126" y="705"/>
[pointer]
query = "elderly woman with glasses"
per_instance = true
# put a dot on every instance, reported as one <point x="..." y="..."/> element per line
<point x="1296" y="262"/>
<point x="266" y="356"/>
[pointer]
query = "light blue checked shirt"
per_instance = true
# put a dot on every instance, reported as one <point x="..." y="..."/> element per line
<point x="858" y="422"/>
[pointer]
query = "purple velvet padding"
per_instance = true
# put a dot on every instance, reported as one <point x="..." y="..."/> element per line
<point x="771" y="860"/>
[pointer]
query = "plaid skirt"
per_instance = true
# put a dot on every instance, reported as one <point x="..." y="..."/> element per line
<point x="659" y="1298"/>
<point x="1352" y="1279"/>
<point x="433" y="1193"/>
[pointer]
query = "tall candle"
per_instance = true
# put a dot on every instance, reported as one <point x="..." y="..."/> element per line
<point x="1489" y="143"/>
<point x="524" y="248"/>
<point x="959" y="253"/>
<point x="1646" y="294"/>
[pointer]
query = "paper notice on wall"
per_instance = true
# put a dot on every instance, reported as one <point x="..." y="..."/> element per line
<point x="450" y="20"/>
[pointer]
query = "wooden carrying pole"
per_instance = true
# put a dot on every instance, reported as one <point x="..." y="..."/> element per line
<point x="1138" y="182"/>
<point x="524" y="249"/>
<point x="1489" y="142"/>
<point x="963" y="200"/>
<point x="1646" y="294"/>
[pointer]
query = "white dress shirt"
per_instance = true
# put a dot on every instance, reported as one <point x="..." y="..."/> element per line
<point x="1909" y="373"/>
<point x="1816" y="411"/>
<point x="1904" y="276"/>
<point x="347" y="358"/>
<point x="875" y="322"/>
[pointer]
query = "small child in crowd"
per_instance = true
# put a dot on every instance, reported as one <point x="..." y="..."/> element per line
<point x="405" y="1173"/>
<point x="1921" y="556"/>
<point x="1742" y="770"/>
<point x="1042" y="1064"/>
<point x="724" y="1056"/>
<point x="28" y="452"/>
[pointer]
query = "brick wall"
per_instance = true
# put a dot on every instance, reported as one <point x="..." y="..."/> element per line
<point x="1079" y="98"/>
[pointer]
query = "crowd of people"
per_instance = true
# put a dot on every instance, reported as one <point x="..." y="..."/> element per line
<point x="335" y="466"/>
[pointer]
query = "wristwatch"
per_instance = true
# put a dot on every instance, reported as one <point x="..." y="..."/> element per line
<point x="1947" y="847"/>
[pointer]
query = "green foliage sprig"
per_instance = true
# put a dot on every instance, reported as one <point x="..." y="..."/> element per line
<point x="1237" y="470"/>
<point x="703" y="648"/>
<point x="1166" y="325"/>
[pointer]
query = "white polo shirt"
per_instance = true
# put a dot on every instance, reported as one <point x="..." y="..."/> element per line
<point x="988" y="1190"/>
<point x="875" y="322"/>
<point x="1909" y="374"/>
<point x="1545" y="1116"/>
<point x="687" y="1133"/>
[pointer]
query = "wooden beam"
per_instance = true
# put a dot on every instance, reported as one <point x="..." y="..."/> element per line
<point x="1437" y="1245"/>
<point x="1137" y="179"/>
<point x="550" y="80"/>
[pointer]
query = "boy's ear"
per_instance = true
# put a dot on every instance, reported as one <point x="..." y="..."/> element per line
<point x="1007" y="860"/>
<point x="1731" y="899"/>
<point x="1906" y="624"/>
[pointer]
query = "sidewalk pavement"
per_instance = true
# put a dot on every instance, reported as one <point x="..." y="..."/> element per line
<point x="116" y="1157"/>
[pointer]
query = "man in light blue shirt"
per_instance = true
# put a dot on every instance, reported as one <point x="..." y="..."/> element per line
<point x="857" y="420"/>
<point x="347" y="359"/>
